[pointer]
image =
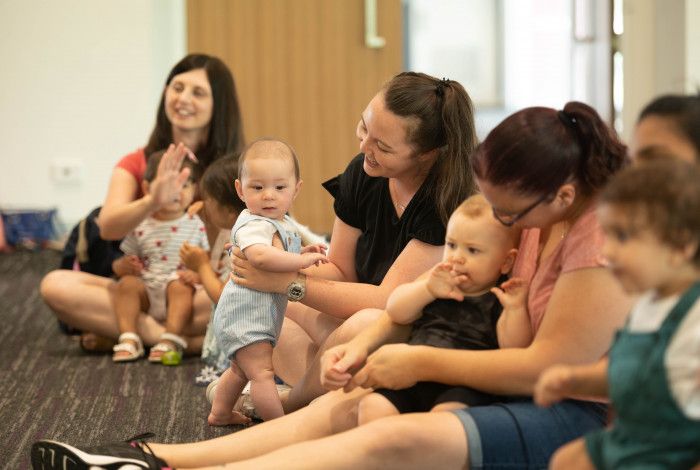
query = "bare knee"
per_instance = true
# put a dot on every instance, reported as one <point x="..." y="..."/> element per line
<point x="354" y="325"/>
<point x="128" y="285"/>
<point x="571" y="456"/>
<point x="51" y="290"/>
<point x="373" y="407"/>
<point x="392" y="438"/>
<point x="238" y="372"/>
<point x="177" y="287"/>
<point x="265" y="374"/>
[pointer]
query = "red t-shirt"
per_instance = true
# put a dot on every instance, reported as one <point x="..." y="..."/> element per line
<point x="135" y="164"/>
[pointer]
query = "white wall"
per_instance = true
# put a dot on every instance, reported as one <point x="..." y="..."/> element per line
<point x="692" y="46"/>
<point x="79" y="87"/>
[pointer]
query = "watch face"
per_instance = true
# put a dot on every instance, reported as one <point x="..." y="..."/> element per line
<point x="296" y="292"/>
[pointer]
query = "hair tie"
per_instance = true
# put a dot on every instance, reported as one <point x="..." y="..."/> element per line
<point x="440" y="87"/>
<point x="572" y="123"/>
<point x="568" y="120"/>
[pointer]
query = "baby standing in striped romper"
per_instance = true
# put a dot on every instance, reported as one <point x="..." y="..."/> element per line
<point x="247" y="322"/>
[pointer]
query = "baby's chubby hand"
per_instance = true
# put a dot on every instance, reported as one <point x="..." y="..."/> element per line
<point x="196" y="208"/>
<point x="443" y="282"/>
<point x="338" y="364"/>
<point x="315" y="248"/>
<point x="193" y="256"/>
<point x="128" y="265"/>
<point x="189" y="277"/>
<point x="313" y="255"/>
<point x="512" y="293"/>
<point x="553" y="385"/>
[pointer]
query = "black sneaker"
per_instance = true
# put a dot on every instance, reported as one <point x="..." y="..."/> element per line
<point x="49" y="455"/>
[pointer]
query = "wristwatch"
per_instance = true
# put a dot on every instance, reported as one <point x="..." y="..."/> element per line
<point x="296" y="290"/>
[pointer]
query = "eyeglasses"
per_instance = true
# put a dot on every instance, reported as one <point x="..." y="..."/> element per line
<point x="510" y="220"/>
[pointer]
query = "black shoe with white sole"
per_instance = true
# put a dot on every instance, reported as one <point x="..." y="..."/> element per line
<point x="126" y="455"/>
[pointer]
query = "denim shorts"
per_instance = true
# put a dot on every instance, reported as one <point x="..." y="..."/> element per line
<point x="521" y="435"/>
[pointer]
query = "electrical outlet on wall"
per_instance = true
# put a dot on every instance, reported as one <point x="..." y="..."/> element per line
<point x="66" y="171"/>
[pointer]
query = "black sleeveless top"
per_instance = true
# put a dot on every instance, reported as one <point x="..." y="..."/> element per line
<point x="364" y="202"/>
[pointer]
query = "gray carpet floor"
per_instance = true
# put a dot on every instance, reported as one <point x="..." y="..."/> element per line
<point x="50" y="389"/>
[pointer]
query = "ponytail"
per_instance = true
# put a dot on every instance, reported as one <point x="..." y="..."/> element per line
<point x="602" y="152"/>
<point x="445" y="121"/>
<point x="536" y="150"/>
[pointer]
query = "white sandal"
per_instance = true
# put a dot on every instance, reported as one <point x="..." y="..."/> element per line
<point x="135" y="351"/>
<point x="163" y="347"/>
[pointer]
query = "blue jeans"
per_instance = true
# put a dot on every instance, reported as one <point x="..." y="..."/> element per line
<point x="521" y="435"/>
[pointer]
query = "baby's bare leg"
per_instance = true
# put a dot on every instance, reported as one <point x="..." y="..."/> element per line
<point x="572" y="456"/>
<point x="256" y="362"/>
<point x="228" y="390"/>
<point x="448" y="406"/>
<point x="128" y="299"/>
<point x="374" y="406"/>
<point x="180" y="298"/>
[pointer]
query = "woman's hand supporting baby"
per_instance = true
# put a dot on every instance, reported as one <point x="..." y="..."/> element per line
<point x="391" y="366"/>
<point x="246" y="275"/>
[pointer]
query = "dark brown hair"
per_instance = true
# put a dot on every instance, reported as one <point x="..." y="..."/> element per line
<point x="683" y="111"/>
<point x="154" y="159"/>
<point x="226" y="130"/>
<point x="536" y="150"/>
<point x="444" y="117"/>
<point x="217" y="183"/>
<point x="663" y="195"/>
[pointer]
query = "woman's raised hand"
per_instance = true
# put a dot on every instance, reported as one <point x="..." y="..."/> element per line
<point x="170" y="178"/>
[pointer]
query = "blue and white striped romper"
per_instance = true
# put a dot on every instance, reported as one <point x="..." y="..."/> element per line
<point x="245" y="316"/>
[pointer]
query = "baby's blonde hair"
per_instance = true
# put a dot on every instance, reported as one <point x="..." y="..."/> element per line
<point x="476" y="206"/>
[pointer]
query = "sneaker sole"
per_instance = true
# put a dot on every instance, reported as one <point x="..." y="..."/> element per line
<point x="52" y="455"/>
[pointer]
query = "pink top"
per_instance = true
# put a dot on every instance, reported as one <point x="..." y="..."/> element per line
<point x="580" y="248"/>
<point x="134" y="163"/>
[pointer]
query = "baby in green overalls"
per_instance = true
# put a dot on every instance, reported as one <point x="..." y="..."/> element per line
<point x="651" y="218"/>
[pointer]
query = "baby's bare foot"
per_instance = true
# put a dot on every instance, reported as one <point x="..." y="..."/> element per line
<point x="233" y="418"/>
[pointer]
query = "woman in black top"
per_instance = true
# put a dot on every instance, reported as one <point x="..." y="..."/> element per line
<point x="391" y="203"/>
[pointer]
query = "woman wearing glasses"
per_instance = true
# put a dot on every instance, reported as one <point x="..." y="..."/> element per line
<point x="541" y="169"/>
